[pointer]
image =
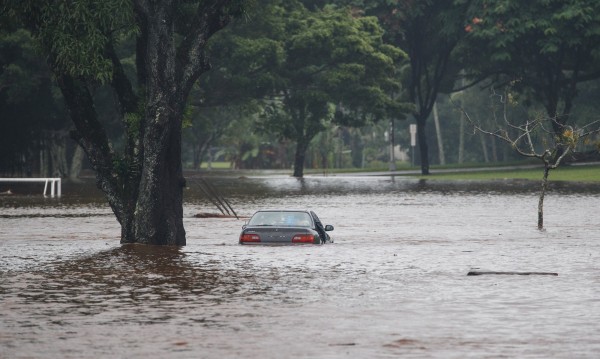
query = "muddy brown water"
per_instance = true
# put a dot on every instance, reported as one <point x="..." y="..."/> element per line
<point x="393" y="284"/>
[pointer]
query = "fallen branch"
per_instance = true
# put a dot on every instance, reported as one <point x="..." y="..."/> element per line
<point x="509" y="273"/>
<point x="213" y="195"/>
<point x="215" y="215"/>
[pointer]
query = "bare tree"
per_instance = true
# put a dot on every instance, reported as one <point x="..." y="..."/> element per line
<point x="536" y="138"/>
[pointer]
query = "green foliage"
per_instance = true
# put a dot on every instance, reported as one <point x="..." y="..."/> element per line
<point x="307" y="65"/>
<point x="575" y="174"/>
<point x="75" y="33"/>
<point x="227" y="126"/>
<point x="568" y="138"/>
<point x="29" y="104"/>
<point x="333" y="57"/>
<point x="550" y="46"/>
<point x="133" y="121"/>
<point x="18" y="60"/>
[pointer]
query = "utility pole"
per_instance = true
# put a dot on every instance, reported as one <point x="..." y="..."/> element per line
<point x="392" y="156"/>
<point x="413" y="141"/>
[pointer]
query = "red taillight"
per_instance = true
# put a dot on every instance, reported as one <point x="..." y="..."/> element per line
<point x="303" y="238"/>
<point x="249" y="237"/>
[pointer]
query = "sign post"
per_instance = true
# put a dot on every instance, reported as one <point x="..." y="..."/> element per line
<point x="392" y="165"/>
<point x="413" y="141"/>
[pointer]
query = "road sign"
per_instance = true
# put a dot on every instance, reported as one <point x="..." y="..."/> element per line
<point x="413" y="134"/>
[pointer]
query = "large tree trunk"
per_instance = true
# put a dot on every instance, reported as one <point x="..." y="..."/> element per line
<point x="423" y="147"/>
<point x="542" y="195"/>
<point x="90" y="135"/>
<point x="301" y="147"/>
<point x="76" y="163"/>
<point x="57" y="147"/>
<point x="168" y="75"/>
<point x="144" y="184"/>
<point x="158" y="214"/>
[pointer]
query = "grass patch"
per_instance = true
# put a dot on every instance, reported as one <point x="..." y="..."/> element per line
<point x="567" y="173"/>
<point x="578" y="173"/>
<point x="217" y="165"/>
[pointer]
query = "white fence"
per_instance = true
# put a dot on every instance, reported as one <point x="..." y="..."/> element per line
<point x="55" y="183"/>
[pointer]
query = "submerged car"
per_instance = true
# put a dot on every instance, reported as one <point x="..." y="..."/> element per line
<point x="285" y="227"/>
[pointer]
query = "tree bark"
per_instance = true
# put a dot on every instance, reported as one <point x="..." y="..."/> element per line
<point x="158" y="215"/>
<point x="168" y="74"/>
<point x="300" y="156"/>
<point x="144" y="183"/>
<point x="76" y="163"/>
<point x="542" y="195"/>
<point x="143" y="186"/>
<point x="423" y="147"/>
<point x="115" y="182"/>
<point x="57" y="148"/>
<point x="160" y="200"/>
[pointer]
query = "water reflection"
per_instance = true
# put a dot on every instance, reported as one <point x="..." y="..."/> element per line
<point x="127" y="277"/>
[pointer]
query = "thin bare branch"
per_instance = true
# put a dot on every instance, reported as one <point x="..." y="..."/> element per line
<point x="564" y="138"/>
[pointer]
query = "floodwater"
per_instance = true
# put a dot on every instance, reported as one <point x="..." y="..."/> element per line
<point x="394" y="283"/>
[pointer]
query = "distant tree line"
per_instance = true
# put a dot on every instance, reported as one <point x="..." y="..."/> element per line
<point x="291" y="70"/>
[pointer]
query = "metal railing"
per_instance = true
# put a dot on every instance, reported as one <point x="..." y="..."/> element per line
<point x="55" y="183"/>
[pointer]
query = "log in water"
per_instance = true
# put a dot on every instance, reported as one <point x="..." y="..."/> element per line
<point x="510" y="273"/>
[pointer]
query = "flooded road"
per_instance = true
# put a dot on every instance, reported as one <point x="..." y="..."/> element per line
<point x="393" y="284"/>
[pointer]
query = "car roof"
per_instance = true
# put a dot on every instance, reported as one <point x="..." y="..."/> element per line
<point x="283" y="210"/>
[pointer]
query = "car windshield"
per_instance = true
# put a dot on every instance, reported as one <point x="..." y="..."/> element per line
<point x="282" y="218"/>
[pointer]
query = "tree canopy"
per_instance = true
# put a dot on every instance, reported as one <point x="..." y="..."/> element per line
<point x="544" y="49"/>
<point x="312" y="65"/>
<point x="429" y="32"/>
<point x="143" y="183"/>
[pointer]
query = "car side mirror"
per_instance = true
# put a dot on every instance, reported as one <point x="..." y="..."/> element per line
<point x="329" y="227"/>
<point x="244" y="226"/>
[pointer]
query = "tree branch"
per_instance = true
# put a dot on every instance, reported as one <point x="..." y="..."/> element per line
<point x="90" y="135"/>
<point x="211" y="16"/>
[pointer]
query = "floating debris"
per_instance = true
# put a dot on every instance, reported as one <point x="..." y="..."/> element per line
<point x="510" y="273"/>
<point x="213" y="195"/>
